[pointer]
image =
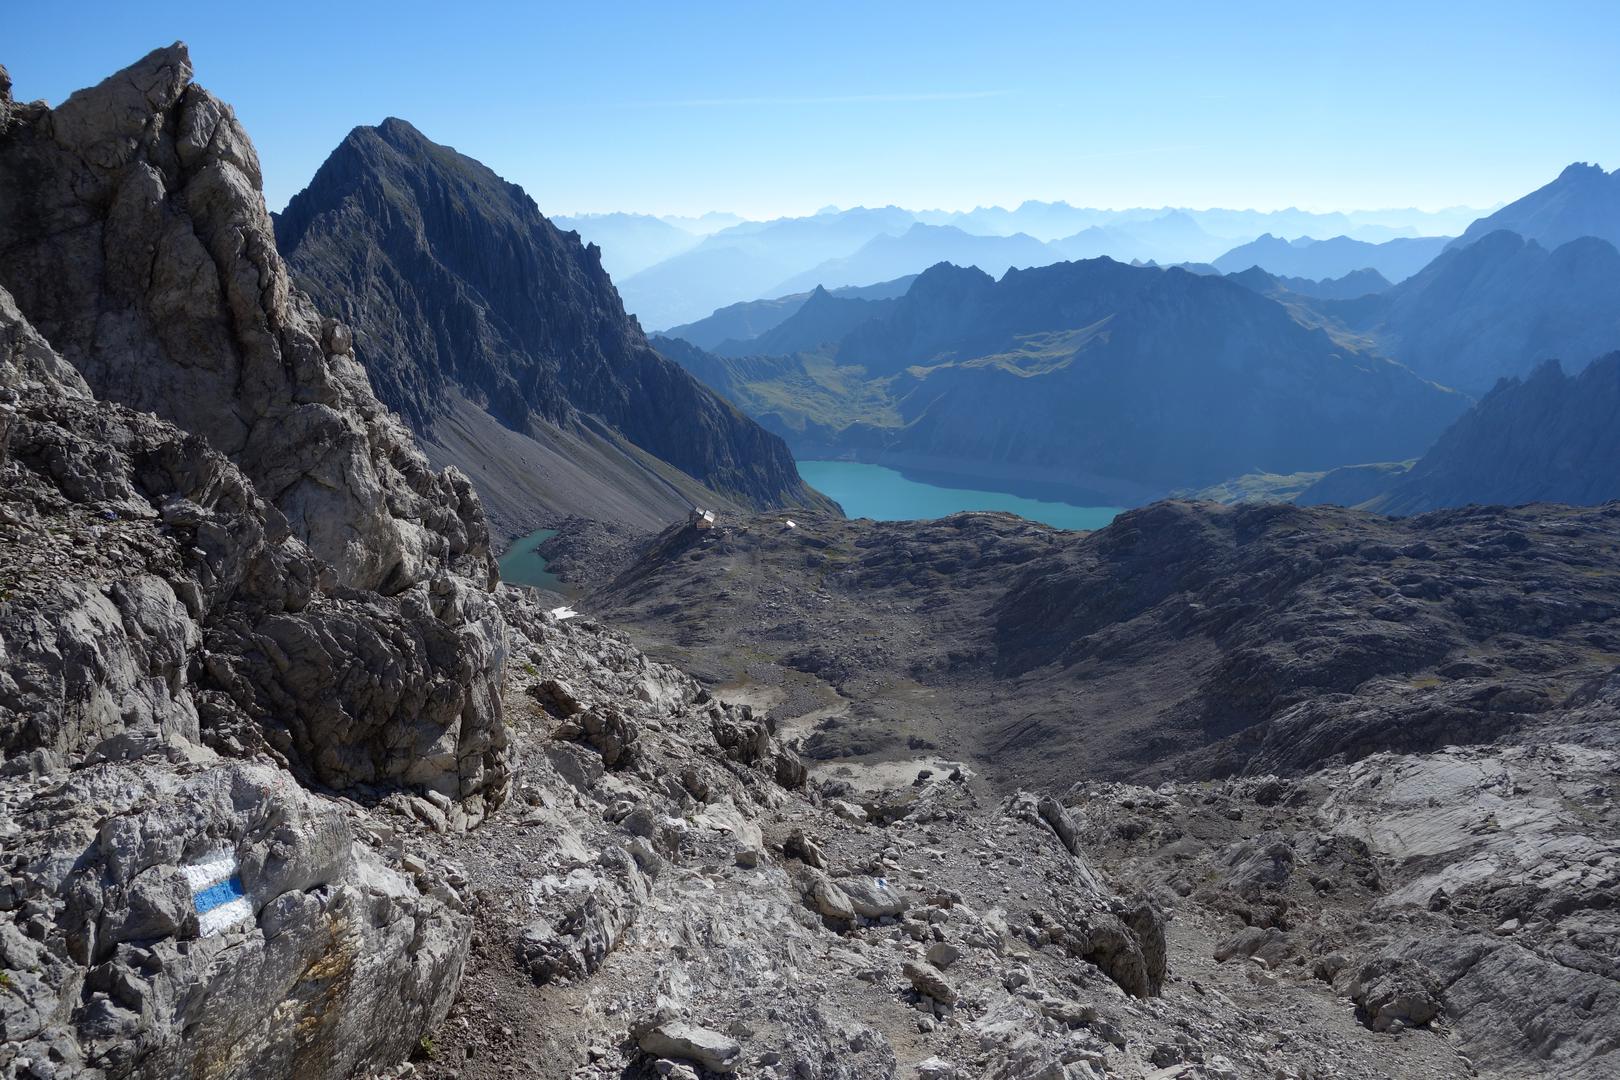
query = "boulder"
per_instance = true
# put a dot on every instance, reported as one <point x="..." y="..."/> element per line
<point x="1268" y="944"/>
<point x="831" y="900"/>
<point x="872" y="898"/>
<point x="1392" y="992"/>
<point x="705" y="1046"/>
<point x="929" y="983"/>
<point x="214" y="920"/>
<point x="1053" y="813"/>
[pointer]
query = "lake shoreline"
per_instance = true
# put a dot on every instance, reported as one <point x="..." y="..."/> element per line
<point x="883" y="493"/>
<point x="521" y="564"/>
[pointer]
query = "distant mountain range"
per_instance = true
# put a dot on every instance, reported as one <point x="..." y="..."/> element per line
<point x="1169" y="238"/>
<point x="673" y="271"/>
<point x="742" y="322"/>
<point x="891" y="256"/>
<point x="822" y="319"/>
<point x="1396" y="259"/>
<point x="751" y="260"/>
<point x="1055" y="220"/>
<point x="1351" y="285"/>
<point x="630" y="242"/>
<point x="1086" y="380"/>
<point x="1549" y="437"/>
<point x="964" y="381"/>
<point x="501" y="340"/>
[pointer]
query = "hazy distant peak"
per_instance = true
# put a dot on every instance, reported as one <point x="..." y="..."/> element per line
<point x="1583" y="201"/>
<point x="943" y="275"/>
<point x="1582" y="169"/>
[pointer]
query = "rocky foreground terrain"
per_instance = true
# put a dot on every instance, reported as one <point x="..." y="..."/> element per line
<point x="293" y="787"/>
<point x="1187" y="639"/>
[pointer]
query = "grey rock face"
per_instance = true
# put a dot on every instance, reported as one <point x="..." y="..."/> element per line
<point x="110" y="974"/>
<point x="135" y="238"/>
<point x="156" y="611"/>
<point x="152" y="604"/>
<point x="872" y="898"/>
<point x="152" y="595"/>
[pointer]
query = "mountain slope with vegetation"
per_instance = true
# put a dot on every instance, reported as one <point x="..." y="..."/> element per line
<point x="1093" y="381"/>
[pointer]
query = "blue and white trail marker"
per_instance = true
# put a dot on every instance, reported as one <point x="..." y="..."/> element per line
<point x="216" y="891"/>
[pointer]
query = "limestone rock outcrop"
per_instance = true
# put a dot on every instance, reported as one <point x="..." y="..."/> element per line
<point x="337" y="964"/>
<point x="229" y="587"/>
<point x="134" y="236"/>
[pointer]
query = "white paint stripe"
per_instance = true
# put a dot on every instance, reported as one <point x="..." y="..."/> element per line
<point x="211" y="871"/>
<point x="225" y="916"/>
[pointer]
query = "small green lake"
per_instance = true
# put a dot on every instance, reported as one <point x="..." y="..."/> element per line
<point x="522" y="565"/>
<point x="872" y="491"/>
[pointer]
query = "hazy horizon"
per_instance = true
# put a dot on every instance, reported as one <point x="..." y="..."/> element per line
<point x="772" y="112"/>
<point x="1009" y="207"/>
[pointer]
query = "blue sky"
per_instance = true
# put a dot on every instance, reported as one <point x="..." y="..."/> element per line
<point x="767" y="108"/>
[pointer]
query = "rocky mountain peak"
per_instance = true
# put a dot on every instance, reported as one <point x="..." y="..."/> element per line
<point x="1582" y="170"/>
<point x="466" y="300"/>
<point x="1582" y="201"/>
<point x="6" y="103"/>
<point x="135" y="237"/>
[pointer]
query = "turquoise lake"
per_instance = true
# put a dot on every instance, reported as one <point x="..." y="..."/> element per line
<point x="872" y="491"/>
<point x="521" y="566"/>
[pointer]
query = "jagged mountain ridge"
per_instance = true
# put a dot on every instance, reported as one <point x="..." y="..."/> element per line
<point x="745" y="320"/>
<point x="893" y="255"/>
<point x="1548" y="437"/>
<point x="1582" y="200"/>
<point x="1351" y="285"/>
<point x="464" y="297"/>
<point x="1495" y="308"/>
<point x="1395" y="259"/>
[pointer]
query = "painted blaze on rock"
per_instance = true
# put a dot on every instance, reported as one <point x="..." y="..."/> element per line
<point x="217" y="893"/>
